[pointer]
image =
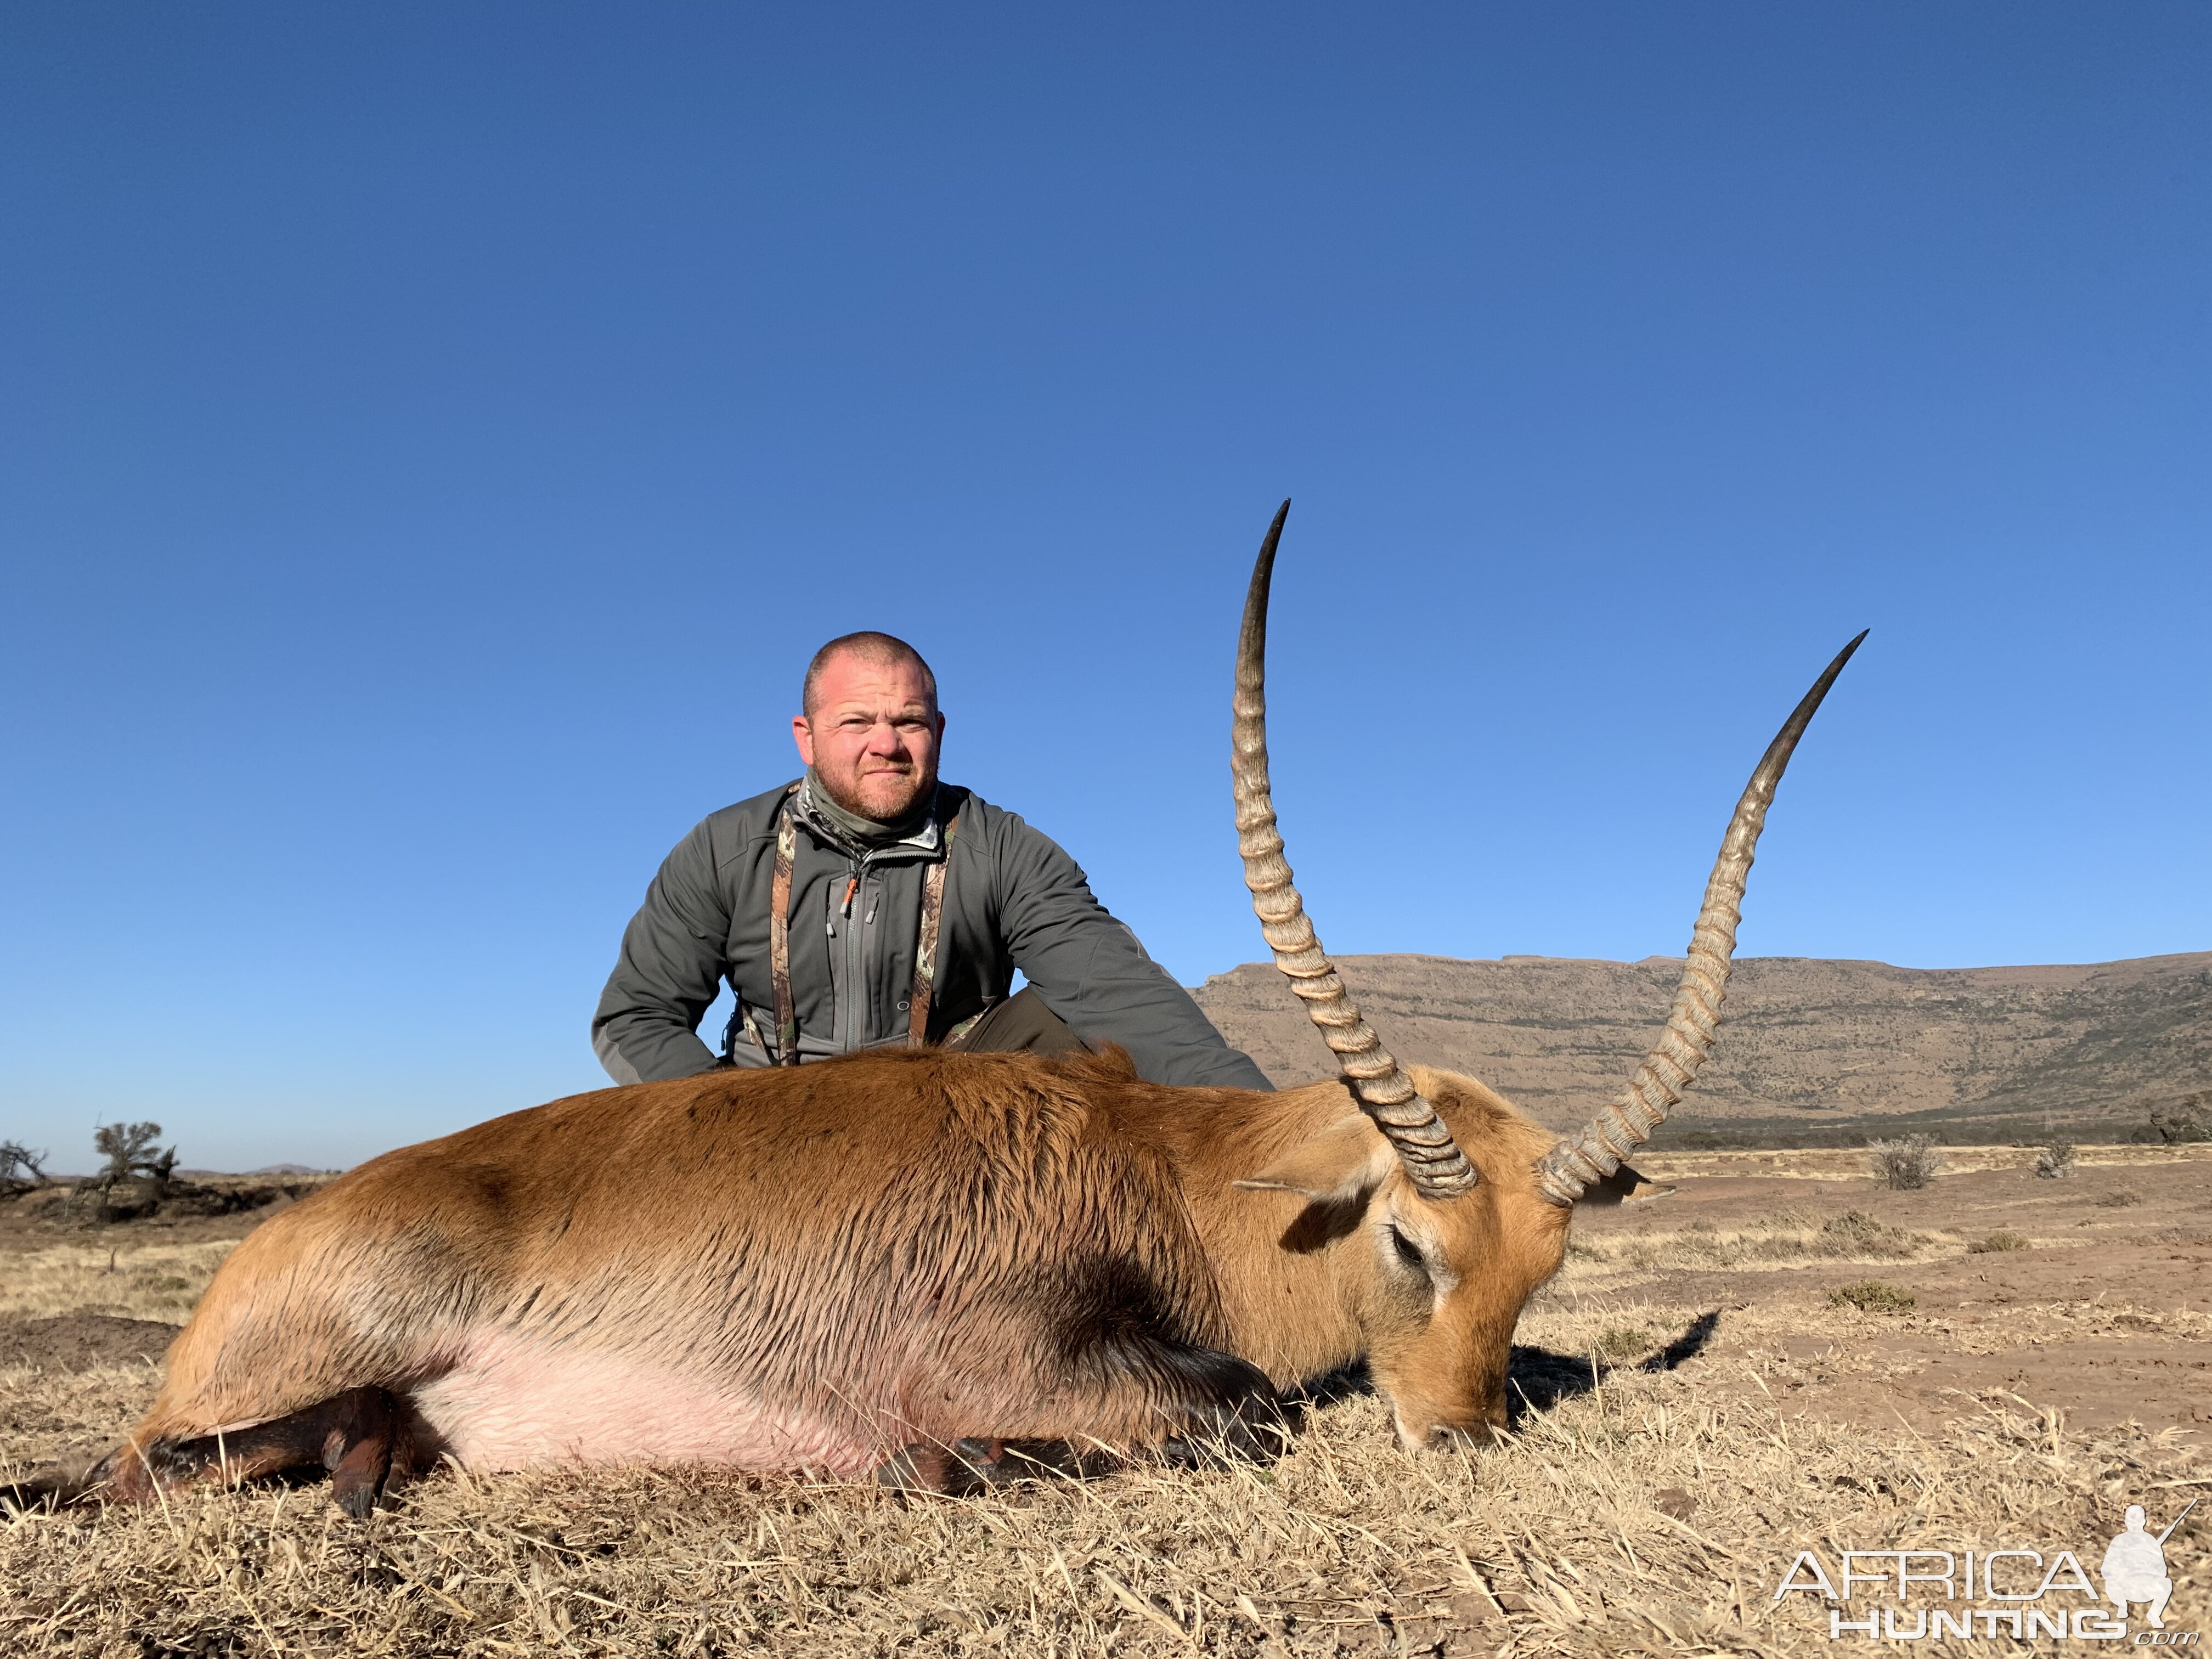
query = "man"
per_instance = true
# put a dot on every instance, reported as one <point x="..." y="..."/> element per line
<point x="868" y="904"/>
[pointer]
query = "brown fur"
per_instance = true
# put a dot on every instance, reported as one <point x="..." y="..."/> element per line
<point x="916" y="1248"/>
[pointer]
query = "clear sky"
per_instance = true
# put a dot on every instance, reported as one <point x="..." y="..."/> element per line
<point x="432" y="439"/>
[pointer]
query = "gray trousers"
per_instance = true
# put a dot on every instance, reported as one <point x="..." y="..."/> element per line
<point x="1021" y="1025"/>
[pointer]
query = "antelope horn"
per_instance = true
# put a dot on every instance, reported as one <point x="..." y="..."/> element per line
<point x="1667" y="1071"/>
<point x="1432" y="1160"/>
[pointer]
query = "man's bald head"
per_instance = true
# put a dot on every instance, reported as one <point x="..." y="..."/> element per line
<point x="872" y="726"/>
<point x="878" y="650"/>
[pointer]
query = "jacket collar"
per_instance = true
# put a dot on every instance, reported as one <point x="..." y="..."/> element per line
<point x="835" y="827"/>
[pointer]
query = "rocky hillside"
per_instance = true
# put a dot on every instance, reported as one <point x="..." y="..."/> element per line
<point x="1807" y="1049"/>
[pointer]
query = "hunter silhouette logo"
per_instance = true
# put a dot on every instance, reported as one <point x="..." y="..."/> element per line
<point x="2030" y="1591"/>
<point x="2135" y="1567"/>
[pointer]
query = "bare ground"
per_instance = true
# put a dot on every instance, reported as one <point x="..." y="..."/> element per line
<point x="1695" y="1409"/>
<point x="2100" y="1308"/>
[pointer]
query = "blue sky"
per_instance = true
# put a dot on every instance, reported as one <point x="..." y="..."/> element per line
<point x="432" y="440"/>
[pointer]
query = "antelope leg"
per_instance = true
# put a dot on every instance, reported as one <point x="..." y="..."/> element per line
<point x="358" y="1435"/>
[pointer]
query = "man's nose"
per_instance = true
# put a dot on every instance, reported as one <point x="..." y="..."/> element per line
<point x="885" y="738"/>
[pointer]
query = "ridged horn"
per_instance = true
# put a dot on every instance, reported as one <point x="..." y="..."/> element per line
<point x="1432" y="1160"/>
<point x="1668" y="1070"/>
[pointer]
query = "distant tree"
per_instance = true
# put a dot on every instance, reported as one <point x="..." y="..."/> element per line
<point x="128" y="1150"/>
<point x="2190" y="1120"/>
<point x="20" y="1167"/>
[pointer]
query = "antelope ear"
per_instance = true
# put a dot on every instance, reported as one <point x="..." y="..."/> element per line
<point x="1338" y="1171"/>
<point x="1348" y="1160"/>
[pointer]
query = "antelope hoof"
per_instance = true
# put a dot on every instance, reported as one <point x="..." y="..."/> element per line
<point x="1253" y="1430"/>
<point x="358" y="1480"/>
<point x="125" y="1475"/>
<point x="358" y="1449"/>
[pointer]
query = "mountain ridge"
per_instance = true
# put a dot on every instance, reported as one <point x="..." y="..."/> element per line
<point x="1824" y="1047"/>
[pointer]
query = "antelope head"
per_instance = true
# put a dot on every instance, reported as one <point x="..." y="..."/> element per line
<point x="1450" y="1206"/>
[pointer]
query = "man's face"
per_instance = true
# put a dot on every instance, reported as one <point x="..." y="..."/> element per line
<point x="872" y="737"/>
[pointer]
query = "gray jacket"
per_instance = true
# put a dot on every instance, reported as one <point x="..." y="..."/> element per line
<point x="1012" y="899"/>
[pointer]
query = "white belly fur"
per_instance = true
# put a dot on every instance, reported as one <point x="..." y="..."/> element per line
<point x="509" y="1404"/>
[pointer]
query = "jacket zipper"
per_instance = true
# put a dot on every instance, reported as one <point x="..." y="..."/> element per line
<point x="853" y="1011"/>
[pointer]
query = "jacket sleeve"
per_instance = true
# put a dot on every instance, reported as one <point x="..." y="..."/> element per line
<point x="1090" y="970"/>
<point x="669" y="971"/>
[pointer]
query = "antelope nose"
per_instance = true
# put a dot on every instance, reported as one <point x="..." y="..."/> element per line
<point x="1443" y="1438"/>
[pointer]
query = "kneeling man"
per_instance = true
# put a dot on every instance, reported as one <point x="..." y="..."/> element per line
<point x="869" y="904"/>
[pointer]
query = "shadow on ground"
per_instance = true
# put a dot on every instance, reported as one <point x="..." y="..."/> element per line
<point x="1536" y="1379"/>
<point x="1540" y="1379"/>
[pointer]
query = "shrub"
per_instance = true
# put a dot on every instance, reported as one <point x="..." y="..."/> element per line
<point x="1621" y="1342"/>
<point x="1871" y="1296"/>
<point x="2004" y="1239"/>
<point x="2190" y="1120"/>
<point x="1856" y="1233"/>
<point x="2055" y="1162"/>
<point x="1905" y="1164"/>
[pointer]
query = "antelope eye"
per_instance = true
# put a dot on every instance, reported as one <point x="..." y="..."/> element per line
<point x="1409" y="1252"/>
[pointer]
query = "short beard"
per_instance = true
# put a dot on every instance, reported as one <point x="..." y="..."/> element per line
<point x="904" y="810"/>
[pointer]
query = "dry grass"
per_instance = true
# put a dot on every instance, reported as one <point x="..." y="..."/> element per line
<point x="49" y="1417"/>
<point x="1564" y="1541"/>
<point x="1786" y="1236"/>
<point x="119" y="1276"/>
<point x="1850" y="1164"/>
<point x="1647" y="1502"/>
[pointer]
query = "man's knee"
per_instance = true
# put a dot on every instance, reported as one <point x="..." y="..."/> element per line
<point x="1022" y="1025"/>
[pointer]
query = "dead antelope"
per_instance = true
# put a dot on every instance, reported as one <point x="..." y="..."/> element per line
<point x="899" y="1263"/>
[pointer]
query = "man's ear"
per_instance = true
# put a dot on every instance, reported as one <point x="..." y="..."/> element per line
<point x="802" y="733"/>
<point x="1337" y="1171"/>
